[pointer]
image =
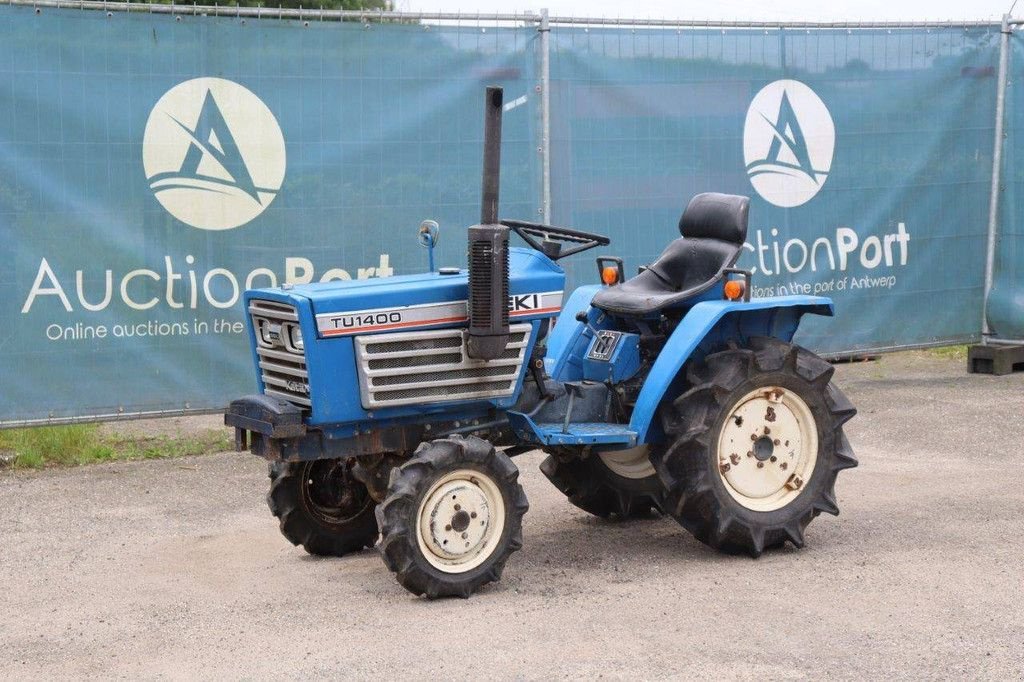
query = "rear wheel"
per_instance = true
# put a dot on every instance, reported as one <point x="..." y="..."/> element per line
<point x="620" y="483"/>
<point x="452" y="517"/>
<point x="322" y="507"/>
<point x="754" y="447"/>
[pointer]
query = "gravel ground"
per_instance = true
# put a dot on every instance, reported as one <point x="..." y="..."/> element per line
<point x="176" y="569"/>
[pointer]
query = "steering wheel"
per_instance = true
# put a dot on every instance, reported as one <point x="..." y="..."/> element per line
<point x="575" y="240"/>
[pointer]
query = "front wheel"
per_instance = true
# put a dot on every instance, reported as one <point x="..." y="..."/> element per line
<point x="753" y="448"/>
<point x="452" y="517"/>
<point x="322" y="507"/>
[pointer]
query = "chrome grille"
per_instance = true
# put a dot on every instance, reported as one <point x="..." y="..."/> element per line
<point x="282" y="364"/>
<point x="415" y="360"/>
<point x="420" y="342"/>
<point x="410" y="368"/>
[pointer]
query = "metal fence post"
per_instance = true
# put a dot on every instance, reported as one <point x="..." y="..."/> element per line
<point x="544" y="28"/>
<point x="997" y="168"/>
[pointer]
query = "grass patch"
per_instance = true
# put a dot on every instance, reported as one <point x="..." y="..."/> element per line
<point x="950" y="352"/>
<point x="80" y="444"/>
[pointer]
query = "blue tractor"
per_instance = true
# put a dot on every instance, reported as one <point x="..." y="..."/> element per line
<point x="390" y="409"/>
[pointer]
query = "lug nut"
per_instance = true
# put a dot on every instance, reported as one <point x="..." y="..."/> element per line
<point x="734" y="458"/>
<point x="767" y="430"/>
<point x="472" y="515"/>
<point x="760" y="465"/>
<point x="773" y="458"/>
<point x="784" y="466"/>
<point x="465" y="535"/>
<point x="724" y="468"/>
<point x="775" y="442"/>
<point x="750" y="453"/>
<point x="448" y="527"/>
<point x="458" y="507"/>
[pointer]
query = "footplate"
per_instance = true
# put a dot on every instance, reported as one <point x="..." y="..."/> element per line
<point x="573" y="433"/>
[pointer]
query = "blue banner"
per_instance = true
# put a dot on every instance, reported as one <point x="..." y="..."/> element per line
<point x="1005" y="311"/>
<point x="152" y="167"/>
<point x="867" y="154"/>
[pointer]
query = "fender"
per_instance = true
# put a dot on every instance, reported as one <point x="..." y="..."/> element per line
<point x="716" y="322"/>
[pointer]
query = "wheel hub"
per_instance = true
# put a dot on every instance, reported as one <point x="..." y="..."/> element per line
<point x="460" y="520"/>
<point x="767" y="448"/>
<point x="330" y="493"/>
<point x="763" y="448"/>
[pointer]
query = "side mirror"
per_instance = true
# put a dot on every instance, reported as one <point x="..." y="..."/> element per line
<point x="427" y="236"/>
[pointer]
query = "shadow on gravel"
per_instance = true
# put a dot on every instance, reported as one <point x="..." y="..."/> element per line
<point x="593" y="543"/>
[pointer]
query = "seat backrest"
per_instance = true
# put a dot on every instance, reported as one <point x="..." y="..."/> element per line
<point x="716" y="216"/>
<point x="714" y="227"/>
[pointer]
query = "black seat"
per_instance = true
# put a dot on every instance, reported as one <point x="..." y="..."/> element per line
<point x="714" y="227"/>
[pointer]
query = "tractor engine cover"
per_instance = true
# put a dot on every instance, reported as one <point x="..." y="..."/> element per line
<point x="393" y="346"/>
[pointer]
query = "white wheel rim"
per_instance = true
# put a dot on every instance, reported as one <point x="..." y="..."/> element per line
<point x="461" y="519"/>
<point x="632" y="463"/>
<point x="767" y="448"/>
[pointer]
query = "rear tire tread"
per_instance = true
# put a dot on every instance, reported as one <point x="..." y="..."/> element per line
<point x="689" y="422"/>
<point x="591" y="486"/>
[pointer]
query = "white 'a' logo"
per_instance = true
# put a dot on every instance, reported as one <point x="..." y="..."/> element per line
<point x="788" y="142"/>
<point x="213" y="153"/>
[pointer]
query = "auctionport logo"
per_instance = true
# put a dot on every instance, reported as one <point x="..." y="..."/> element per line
<point x="213" y="154"/>
<point x="788" y="141"/>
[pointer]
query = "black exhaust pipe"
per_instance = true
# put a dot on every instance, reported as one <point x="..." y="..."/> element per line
<point x="488" y="249"/>
<point x="492" y="156"/>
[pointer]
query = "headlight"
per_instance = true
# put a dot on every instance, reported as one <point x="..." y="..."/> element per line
<point x="295" y="337"/>
<point x="269" y="333"/>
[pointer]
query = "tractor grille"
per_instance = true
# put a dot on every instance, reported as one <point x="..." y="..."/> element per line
<point x="410" y="368"/>
<point x="282" y="363"/>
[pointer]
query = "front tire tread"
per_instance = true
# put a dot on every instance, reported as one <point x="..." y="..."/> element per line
<point x="400" y="549"/>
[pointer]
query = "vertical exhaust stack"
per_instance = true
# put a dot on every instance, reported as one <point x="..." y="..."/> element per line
<point x="488" y="249"/>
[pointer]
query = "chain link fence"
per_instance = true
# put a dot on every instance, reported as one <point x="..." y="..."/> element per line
<point x="870" y="153"/>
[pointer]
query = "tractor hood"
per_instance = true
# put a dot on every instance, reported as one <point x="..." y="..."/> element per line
<point x="430" y="299"/>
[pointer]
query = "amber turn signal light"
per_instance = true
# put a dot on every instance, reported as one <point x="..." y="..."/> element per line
<point x="734" y="290"/>
<point x="609" y="275"/>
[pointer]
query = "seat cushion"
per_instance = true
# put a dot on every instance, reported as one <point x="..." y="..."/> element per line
<point x="686" y="268"/>
<point x="714" y="227"/>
